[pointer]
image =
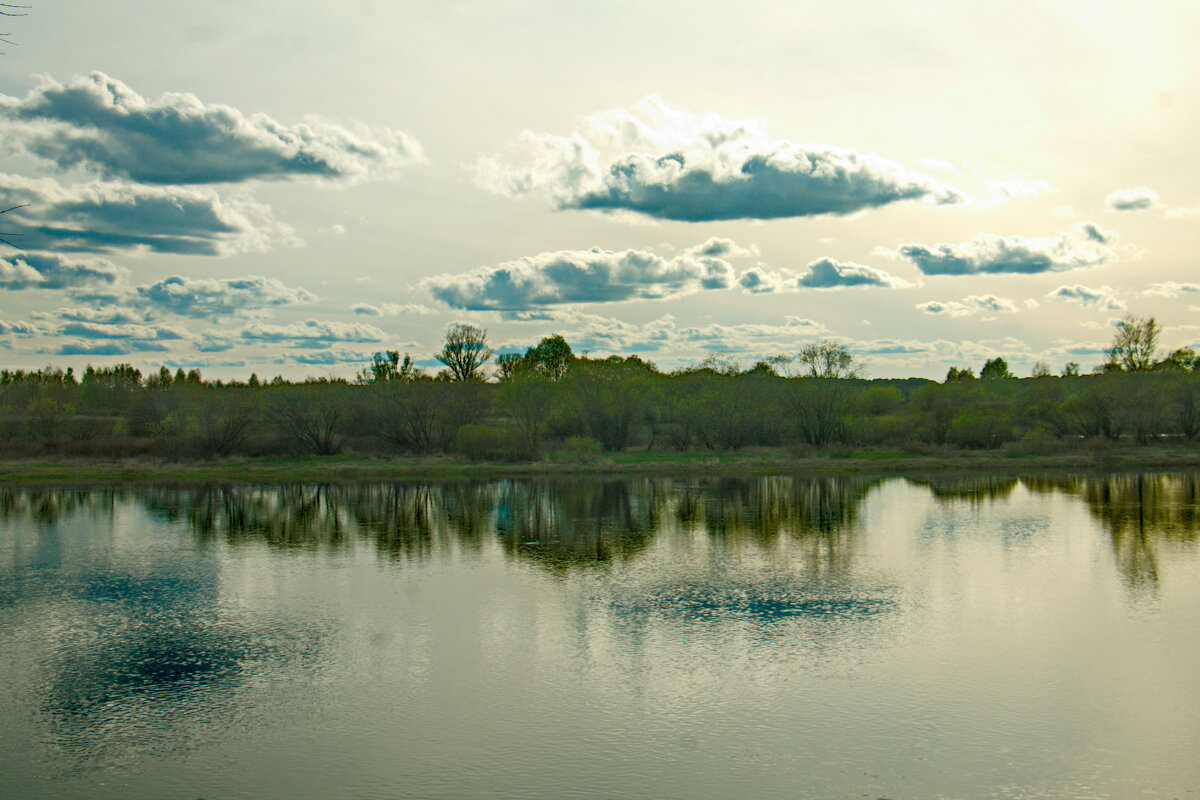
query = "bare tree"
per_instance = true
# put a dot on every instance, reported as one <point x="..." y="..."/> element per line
<point x="4" y="13"/>
<point x="465" y="352"/>
<point x="826" y="359"/>
<point x="1134" y="344"/>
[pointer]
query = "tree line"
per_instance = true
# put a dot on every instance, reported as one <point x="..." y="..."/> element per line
<point x="548" y="402"/>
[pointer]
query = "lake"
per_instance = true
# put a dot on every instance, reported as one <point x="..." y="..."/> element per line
<point x="760" y="637"/>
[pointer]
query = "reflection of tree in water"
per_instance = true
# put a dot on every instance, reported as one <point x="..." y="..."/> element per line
<point x="818" y="514"/>
<point x="975" y="488"/>
<point x="564" y="524"/>
<point x="46" y="505"/>
<point x="1138" y="511"/>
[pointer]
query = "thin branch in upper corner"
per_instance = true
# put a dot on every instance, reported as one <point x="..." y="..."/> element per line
<point x="2" y="235"/>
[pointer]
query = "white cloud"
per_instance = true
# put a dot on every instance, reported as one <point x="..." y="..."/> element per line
<point x="665" y="163"/>
<point x="1084" y="245"/>
<point x="969" y="306"/>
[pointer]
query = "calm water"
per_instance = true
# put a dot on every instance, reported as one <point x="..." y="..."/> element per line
<point x="690" y="638"/>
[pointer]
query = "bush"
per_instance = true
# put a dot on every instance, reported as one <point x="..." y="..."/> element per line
<point x="488" y="443"/>
<point x="578" y="449"/>
<point x="1036" y="442"/>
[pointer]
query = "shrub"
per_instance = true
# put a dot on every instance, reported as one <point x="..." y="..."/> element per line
<point x="578" y="449"/>
<point x="489" y="443"/>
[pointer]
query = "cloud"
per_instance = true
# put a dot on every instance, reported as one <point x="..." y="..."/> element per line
<point x="114" y="218"/>
<point x="663" y="163"/>
<point x="312" y="333"/>
<point x="330" y="358"/>
<point x="1084" y="245"/>
<point x="974" y="304"/>
<point x="22" y="329"/>
<point x="580" y="276"/>
<point x="595" y="334"/>
<point x="102" y="125"/>
<point x="110" y="348"/>
<point x="826" y="273"/>
<point x="95" y="330"/>
<point x="37" y="270"/>
<point x="1102" y="297"/>
<point x="1171" y="289"/>
<point x="1139" y="199"/>
<point x="203" y="298"/>
<point x="392" y="309"/>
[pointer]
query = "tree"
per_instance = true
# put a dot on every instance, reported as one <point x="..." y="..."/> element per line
<point x="995" y="368"/>
<point x="1040" y="370"/>
<point x="550" y="358"/>
<point x="956" y="375"/>
<point x="827" y="359"/>
<point x="465" y="352"/>
<point x="1070" y="369"/>
<point x="386" y="367"/>
<point x="1134" y="345"/>
<point x="1181" y="360"/>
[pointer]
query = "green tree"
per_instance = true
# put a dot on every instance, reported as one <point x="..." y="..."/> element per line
<point x="995" y="368"/>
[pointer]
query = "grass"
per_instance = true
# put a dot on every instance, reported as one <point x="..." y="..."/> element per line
<point x="362" y="467"/>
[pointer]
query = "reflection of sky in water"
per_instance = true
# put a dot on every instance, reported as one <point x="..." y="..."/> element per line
<point x="771" y="636"/>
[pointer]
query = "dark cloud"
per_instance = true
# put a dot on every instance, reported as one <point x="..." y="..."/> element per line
<point x="100" y="124"/>
<point x="204" y="298"/>
<point x="331" y="358"/>
<point x="114" y="218"/>
<point x="38" y="270"/>
<point x="580" y="276"/>
<point x="1084" y="245"/>
<point x="1139" y="199"/>
<point x="675" y="165"/>
<point x="391" y="309"/>
<point x="313" y="333"/>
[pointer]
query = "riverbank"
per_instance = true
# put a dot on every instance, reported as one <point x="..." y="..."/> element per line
<point x="360" y="467"/>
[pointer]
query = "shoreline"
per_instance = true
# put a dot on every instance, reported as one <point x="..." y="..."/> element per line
<point x="360" y="467"/>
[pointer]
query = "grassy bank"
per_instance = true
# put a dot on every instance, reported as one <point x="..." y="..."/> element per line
<point x="752" y="462"/>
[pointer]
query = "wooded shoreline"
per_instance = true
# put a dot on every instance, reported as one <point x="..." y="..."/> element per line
<point x="334" y="469"/>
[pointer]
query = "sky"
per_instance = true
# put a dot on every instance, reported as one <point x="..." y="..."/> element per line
<point x="285" y="188"/>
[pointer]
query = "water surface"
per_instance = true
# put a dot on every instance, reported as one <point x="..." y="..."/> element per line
<point x="634" y="638"/>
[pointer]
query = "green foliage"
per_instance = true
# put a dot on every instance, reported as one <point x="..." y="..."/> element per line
<point x="578" y="450"/>
<point x="995" y="368"/>
<point x="1134" y="345"/>
<point x="489" y="443"/>
<point x="827" y="359"/>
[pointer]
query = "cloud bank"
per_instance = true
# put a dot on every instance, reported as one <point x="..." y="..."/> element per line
<point x="580" y="276"/>
<point x="1084" y="245"/>
<point x="227" y="297"/>
<point x="100" y="124"/>
<point x="660" y="162"/>
<point x="114" y="218"/>
<point x="312" y="333"/>
<point x="36" y="270"/>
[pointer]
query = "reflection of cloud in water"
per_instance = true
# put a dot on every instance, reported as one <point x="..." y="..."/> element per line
<point x="134" y="645"/>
